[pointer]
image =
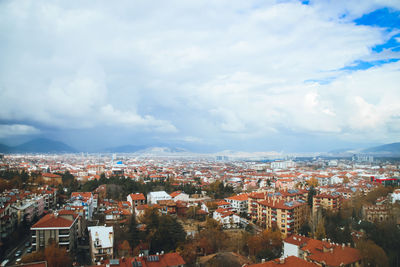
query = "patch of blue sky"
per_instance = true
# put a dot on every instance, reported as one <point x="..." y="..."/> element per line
<point x="321" y="81"/>
<point x="384" y="17"/>
<point x="363" y="65"/>
<point x="392" y="44"/>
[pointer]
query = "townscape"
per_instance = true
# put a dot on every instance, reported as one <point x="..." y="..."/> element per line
<point x="124" y="210"/>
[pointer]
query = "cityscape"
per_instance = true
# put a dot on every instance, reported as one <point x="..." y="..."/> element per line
<point x="200" y="133"/>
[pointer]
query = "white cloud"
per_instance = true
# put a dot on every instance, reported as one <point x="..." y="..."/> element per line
<point x="17" y="129"/>
<point x="198" y="69"/>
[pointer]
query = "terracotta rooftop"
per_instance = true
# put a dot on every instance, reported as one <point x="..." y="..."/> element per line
<point x="53" y="221"/>
<point x="290" y="261"/>
<point x="331" y="254"/>
<point x="137" y="196"/>
<point x="241" y="197"/>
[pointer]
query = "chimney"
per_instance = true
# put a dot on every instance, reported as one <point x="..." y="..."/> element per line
<point x="282" y="260"/>
<point x="263" y="260"/>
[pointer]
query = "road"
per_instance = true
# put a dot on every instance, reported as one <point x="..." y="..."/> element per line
<point x="21" y="246"/>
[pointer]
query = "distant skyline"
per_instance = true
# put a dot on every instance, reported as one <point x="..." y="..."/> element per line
<point x="292" y="76"/>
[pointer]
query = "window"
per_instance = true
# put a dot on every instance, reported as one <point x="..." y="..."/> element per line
<point x="283" y="220"/>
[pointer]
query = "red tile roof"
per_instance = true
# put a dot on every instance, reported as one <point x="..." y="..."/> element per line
<point x="176" y="193"/>
<point x="51" y="175"/>
<point x="84" y="195"/>
<point x="297" y="240"/>
<point x="52" y="221"/>
<point x="137" y="196"/>
<point x="241" y="197"/>
<point x="331" y="254"/>
<point x="291" y="261"/>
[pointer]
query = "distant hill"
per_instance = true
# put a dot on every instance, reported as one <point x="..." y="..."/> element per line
<point x="162" y="150"/>
<point x="393" y="148"/>
<point x="40" y="145"/>
<point x="125" y="149"/>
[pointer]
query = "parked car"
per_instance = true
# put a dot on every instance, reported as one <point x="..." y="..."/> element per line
<point x="18" y="253"/>
<point x="4" y="263"/>
<point x="29" y="250"/>
<point x="27" y="244"/>
<point x="18" y="261"/>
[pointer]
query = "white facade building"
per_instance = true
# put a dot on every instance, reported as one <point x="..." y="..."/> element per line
<point x="154" y="197"/>
<point x="101" y="243"/>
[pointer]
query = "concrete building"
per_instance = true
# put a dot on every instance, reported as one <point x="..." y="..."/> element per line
<point x="136" y="199"/>
<point x="153" y="197"/>
<point x="101" y="242"/>
<point x="327" y="201"/>
<point x="84" y="199"/>
<point x="323" y="253"/>
<point x="61" y="228"/>
<point x="287" y="216"/>
<point x="238" y="203"/>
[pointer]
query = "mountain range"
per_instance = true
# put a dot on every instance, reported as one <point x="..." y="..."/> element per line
<point x="43" y="145"/>
<point x="393" y="148"/>
<point x="40" y="145"/>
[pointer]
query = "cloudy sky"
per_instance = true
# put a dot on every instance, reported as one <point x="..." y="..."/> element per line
<point x="292" y="76"/>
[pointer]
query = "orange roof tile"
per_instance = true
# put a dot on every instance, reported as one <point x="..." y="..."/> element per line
<point x="291" y="261"/>
<point x="137" y="196"/>
<point x="53" y="221"/>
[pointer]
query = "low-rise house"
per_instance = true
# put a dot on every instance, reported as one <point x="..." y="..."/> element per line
<point x="227" y="218"/>
<point x="167" y="206"/>
<point x="117" y="215"/>
<point x="291" y="261"/>
<point x="323" y="253"/>
<point x="136" y="199"/>
<point x="179" y="196"/>
<point x="101" y="242"/>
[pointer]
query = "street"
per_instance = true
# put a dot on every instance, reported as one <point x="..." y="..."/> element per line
<point x="21" y="246"/>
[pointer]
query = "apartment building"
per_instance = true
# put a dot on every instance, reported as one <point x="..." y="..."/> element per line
<point x="252" y="200"/>
<point x="61" y="228"/>
<point x="288" y="216"/>
<point x="84" y="199"/>
<point x="328" y="201"/>
<point x="101" y="242"/>
<point x="238" y="203"/>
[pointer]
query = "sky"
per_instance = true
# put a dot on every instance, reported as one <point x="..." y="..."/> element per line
<point x="292" y="76"/>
